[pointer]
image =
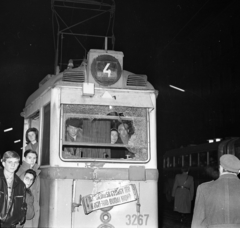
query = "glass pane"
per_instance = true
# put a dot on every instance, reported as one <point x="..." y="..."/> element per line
<point x="170" y="162"/>
<point x="32" y="133"/>
<point x="186" y="160"/>
<point x="97" y="132"/>
<point x="203" y="159"/>
<point x="178" y="161"/>
<point x="46" y="136"/>
<point x="194" y="160"/>
<point x="237" y="149"/>
<point x="213" y="158"/>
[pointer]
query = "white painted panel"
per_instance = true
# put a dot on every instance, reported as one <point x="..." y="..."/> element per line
<point x="114" y="98"/>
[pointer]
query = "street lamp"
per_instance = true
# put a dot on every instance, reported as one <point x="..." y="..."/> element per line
<point x="177" y="88"/>
<point x="8" y="129"/>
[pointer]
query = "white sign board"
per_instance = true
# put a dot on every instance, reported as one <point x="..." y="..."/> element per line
<point x="109" y="198"/>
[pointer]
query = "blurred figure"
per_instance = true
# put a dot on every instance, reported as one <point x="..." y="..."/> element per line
<point x="12" y="192"/>
<point x="183" y="190"/>
<point x="217" y="202"/>
<point x="32" y="139"/>
<point x="29" y="162"/>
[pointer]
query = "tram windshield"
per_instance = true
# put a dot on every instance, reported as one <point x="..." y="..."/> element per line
<point x="103" y="132"/>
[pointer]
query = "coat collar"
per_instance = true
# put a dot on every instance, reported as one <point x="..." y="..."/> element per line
<point x="228" y="175"/>
<point x="16" y="179"/>
<point x="26" y="166"/>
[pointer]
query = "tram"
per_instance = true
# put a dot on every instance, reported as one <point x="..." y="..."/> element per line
<point x="202" y="160"/>
<point x="93" y="182"/>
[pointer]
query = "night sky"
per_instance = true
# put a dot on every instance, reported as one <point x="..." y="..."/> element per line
<point x="191" y="44"/>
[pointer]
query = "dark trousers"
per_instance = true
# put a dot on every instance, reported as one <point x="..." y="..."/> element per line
<point x="4" y="225"/>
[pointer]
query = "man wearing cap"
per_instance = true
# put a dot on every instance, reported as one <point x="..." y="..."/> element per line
<point x="218" y="202"/>
<point x="74" y="134"/>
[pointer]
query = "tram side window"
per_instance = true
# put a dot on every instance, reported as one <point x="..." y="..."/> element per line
<point x="178" y="161"/>
<point x="32" y="133"/>
<point x="237" y="149"/>
<point x="194" y="160"/>
<point x="186" y="160"/>
<point x="96" y="132"/>
<point x="45" y="158"/>
<point x="169" y="162"/>
<point x="203" y="159"/>
<point x="213" y="158"/>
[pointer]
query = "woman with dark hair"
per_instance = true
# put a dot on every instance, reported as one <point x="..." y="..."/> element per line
<point x="29" y="162"/>
<point x="32" y="139"/>
<point x="183" y="190"/>
<point x="28" y="179"/>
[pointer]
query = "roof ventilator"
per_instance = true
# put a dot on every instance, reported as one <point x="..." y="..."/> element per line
<point x="74" y="76"/>
<point x="137" y="80"/>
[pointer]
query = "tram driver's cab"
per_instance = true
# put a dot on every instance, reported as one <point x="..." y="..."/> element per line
<point x="96" y="132"/>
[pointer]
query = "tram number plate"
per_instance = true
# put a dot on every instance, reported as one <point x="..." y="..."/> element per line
<point x="135" y="219"/>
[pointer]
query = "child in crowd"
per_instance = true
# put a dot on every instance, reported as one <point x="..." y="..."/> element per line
<point x="29" y="162"/>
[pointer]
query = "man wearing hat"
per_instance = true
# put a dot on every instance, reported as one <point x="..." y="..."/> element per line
<point x="218" y="202"/>
<point x="74" y="134"/>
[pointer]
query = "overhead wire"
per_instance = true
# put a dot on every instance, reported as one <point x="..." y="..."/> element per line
<point x="186" y="25"/>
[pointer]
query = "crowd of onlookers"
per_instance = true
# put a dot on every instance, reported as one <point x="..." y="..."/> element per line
<point x="20" y="186"/>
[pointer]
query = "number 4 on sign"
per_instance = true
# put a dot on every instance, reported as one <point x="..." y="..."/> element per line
<point x="107" y="71"/>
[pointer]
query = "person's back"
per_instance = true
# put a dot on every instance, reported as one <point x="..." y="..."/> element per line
<point x="222" y="198"/>
<point x="218" y="202"/>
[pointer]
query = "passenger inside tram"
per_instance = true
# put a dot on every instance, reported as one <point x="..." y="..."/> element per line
<point x="32" y="139"/>
<point x="114" y="135"/>
<point x="97" y="131"/>
<point x="87" y="133"/>
<point x="117" y="152"/>
<point x="74" y="133"/>
<point x="123" y="130"/>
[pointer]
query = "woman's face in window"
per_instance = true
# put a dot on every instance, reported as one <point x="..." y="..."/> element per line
<point x="114" y="137"/>
<point x="32" y="136"/>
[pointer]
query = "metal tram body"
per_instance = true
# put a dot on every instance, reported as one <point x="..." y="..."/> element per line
<point x="102" y="185"/>
<point x="202" y="160"/>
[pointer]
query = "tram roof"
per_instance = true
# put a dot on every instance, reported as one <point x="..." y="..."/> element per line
<point x="51" y="80"/>
<point x="191" y="149"/>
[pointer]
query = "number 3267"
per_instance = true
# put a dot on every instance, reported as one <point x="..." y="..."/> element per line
<point x="137" y="219"/>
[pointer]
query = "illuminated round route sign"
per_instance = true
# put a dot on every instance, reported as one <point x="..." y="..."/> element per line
<point x="106" y="70"/>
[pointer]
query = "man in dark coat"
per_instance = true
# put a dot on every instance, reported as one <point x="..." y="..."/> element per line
<point x="183" y="190"/>
<point x="12" y="192"/>
<point x="218" y="202"/>
<point x="74" y="134"/>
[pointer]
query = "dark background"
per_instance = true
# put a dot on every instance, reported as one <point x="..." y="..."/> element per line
<point x="191" y="44"/>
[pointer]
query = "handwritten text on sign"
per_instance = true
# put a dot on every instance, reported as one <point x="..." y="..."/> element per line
<point x="113" y="197"/>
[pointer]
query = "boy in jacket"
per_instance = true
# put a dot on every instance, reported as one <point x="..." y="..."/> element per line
<point x="12" y="192"/>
